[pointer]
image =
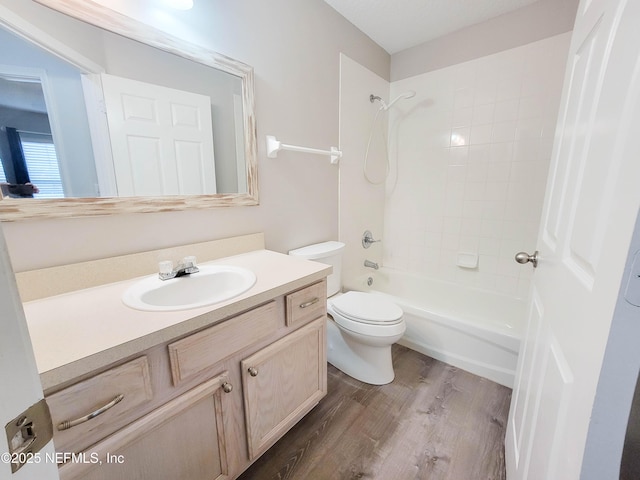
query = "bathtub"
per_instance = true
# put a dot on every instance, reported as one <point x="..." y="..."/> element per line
<point x="476" y="330"/>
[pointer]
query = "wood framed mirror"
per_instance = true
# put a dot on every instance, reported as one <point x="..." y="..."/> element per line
<point x="232" y="177"/>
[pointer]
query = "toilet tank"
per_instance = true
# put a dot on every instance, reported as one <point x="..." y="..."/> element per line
<point x="329" y="253"/>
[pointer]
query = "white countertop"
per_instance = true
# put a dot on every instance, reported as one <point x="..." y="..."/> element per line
<point x="78" y="332"/>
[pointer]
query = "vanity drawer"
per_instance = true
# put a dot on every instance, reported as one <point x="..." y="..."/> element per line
<point x="200" y="351"/>
<point x="115" y="394"/>
<point x="307" y="304"/>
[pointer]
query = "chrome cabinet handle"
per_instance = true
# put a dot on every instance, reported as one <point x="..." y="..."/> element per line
<point x="310" y="302"/>
<point x="253" y="371"/>
<point x="227" y="387"/>
<point x="524" y="257"/>
<point x="67" y="424"/>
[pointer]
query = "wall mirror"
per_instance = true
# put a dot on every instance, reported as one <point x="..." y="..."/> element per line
<point x="130" y="119"/>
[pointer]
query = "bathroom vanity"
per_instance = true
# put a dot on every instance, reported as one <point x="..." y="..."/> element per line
<point x="197" y="394"/>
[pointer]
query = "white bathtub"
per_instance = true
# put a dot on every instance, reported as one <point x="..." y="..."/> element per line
<point x="475" y="330"/>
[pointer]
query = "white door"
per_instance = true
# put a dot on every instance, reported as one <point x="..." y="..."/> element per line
<point x="161" y="139"/>
<point x="591" y="204"/>
<point x="19" y="381"/>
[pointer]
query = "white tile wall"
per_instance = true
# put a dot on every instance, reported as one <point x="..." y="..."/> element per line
<point x="470" y="155"/>
<point x="361" y="203"/>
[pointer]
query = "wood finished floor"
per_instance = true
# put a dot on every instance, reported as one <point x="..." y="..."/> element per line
<point x="433" y="422"/>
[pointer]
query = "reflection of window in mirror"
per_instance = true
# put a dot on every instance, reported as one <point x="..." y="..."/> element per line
<point x="33" y="167"/>
<point x="29" y="161"/>
<point x="27" y="149"/>
<point x="42" y="164"/>
<point x="38" y="94"/>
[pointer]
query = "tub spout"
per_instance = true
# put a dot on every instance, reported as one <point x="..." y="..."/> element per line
<point x="370" y="264"/>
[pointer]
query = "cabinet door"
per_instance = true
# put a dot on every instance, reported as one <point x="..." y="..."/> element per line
<point x="282" y="383"/>
<point x="184" y="439"/>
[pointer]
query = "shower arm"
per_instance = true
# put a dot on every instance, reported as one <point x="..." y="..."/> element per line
<point x="384" y="105"/>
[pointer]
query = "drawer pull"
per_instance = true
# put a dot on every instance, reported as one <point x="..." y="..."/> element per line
<point x="253" y="371"/>
<point x="67" y="424"/>
<point x="227" y="387"/>
<point x="310" y="302"/>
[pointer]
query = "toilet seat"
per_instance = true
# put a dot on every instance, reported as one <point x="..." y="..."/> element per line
<point x="366" y="308"/>
<point x="384" y="318"/>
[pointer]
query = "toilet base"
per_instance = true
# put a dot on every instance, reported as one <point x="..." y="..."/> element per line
<point x="367" y="363"/>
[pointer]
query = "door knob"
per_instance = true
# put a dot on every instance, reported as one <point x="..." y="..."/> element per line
<point x="524" y="257"/>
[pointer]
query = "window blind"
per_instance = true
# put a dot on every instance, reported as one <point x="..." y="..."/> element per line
<point x="3" y="177"/>
<point x="42" y="163"/>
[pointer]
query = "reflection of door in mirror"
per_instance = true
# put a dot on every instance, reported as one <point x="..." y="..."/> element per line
<point x="161" y="139"/>
<point x="153" y="66"/>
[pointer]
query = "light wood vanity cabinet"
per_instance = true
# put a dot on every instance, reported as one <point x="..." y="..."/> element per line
<point x="196" y="353"/>
<point x="281" y="383"/>
<point x="204" y="406"/>
<point x="183" y="439"/>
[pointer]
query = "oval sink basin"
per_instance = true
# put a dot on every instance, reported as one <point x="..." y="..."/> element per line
<point x="212" y="284"/>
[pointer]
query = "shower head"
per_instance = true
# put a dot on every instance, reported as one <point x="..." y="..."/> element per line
<point x="384" y="106"/>
<point x="402" y="96"/>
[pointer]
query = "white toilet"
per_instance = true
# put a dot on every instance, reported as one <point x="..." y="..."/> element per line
<point x="362" y="326"/>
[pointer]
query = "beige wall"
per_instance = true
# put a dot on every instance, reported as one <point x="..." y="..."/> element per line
<point x="294" y="48"/>
<point x="534" y="22"/>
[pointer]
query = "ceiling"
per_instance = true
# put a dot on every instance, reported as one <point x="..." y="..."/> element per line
<point x="396" y="25"/>
<point x="22" y="95"/>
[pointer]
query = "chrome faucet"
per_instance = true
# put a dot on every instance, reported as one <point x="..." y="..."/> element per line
<point x="186" y="266"/>
<point x="367" y="239"/>
<point x="370" y="264"/>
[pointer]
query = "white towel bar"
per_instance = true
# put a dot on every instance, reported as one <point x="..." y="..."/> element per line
<point x="274" y="146"/>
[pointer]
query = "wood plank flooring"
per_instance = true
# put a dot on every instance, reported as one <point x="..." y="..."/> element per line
<point x="433" y="422"/>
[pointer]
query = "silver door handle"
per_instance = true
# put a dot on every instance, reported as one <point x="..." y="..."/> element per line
<point x="524" y="257"/>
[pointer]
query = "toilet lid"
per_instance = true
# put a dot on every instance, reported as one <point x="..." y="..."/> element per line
<point x="367" y="308"/>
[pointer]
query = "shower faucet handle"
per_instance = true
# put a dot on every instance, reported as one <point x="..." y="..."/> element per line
<point x="367" y="239"/>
